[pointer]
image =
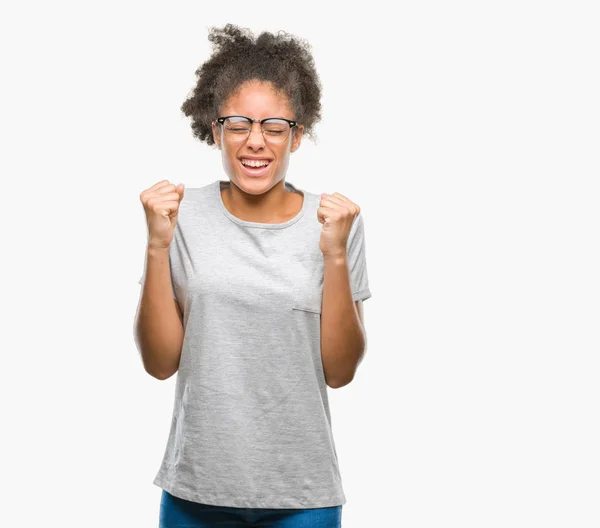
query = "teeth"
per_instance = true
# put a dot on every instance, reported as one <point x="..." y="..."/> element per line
<point x="255" y="163"/>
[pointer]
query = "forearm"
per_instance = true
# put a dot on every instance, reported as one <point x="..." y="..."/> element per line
<point x="158" y="327"/>
<point x="343" y="338"/>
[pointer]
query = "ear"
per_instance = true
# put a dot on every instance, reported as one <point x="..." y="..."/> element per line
<point x="297" y="138"/>
<point x="216" y="134"/>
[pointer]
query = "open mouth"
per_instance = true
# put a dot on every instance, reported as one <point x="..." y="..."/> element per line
<point x="255" y="167"/>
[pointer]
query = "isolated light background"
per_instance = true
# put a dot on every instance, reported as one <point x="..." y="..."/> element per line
<point x="477" y="402"/>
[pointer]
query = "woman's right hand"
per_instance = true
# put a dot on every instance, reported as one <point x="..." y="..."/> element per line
<point x="161" y="205"/>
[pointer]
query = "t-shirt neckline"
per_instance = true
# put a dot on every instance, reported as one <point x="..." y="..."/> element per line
<point x="261" y="225"/>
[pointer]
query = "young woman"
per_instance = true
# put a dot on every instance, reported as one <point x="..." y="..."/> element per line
<point x="252" y="293"/>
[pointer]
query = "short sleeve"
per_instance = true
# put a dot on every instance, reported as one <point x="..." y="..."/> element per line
<point x="143" y="277"/>
<point x="357" y="260"/>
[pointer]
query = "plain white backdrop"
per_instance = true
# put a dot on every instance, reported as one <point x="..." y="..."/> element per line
<point x="468" y="132"/>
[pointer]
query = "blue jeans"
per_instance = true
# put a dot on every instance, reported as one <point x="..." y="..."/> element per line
<point x="180" y="513"/>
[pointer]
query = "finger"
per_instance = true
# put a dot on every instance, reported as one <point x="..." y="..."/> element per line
<point x="324" y="214"/>
<point x="154" y="188"/>
<point x="162" y="198"/>
<point x="342" y="201"/>
<point x="330" y="199"/>
<point x="169" y="188"/>
<point x="170" y="207"/>
<point x="166" y="208"/>
<point x="335" y="206"/>
<point x="340" y="196"/>
<point x="159" y="184"/>
<point x="336" y="198"/>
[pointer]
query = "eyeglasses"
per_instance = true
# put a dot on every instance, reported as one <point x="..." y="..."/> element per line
<point x="274" y="129"/>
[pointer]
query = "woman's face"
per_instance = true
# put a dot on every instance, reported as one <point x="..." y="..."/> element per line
<point x="256" y="100"/>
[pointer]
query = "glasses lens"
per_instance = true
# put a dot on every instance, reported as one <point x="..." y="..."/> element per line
<point x="276" y="130"/>
<point x="237" y="128"/>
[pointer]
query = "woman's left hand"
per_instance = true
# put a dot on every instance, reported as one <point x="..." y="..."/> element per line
<point x="336" y="213"/>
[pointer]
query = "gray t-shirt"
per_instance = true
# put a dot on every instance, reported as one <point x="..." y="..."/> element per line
<point x="251" y="425"/>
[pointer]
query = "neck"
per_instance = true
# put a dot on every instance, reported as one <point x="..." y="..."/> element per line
<point x="277" y="205"/>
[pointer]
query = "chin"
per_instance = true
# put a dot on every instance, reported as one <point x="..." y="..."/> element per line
<point x="254" y="185"/>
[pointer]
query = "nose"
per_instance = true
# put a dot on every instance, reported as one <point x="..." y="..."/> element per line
<point x="255" y="138"/>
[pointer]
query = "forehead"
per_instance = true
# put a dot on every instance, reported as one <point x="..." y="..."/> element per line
<point x="258" y="100"/>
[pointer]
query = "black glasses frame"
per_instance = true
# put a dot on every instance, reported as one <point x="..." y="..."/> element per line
<point x="292" y="124"/>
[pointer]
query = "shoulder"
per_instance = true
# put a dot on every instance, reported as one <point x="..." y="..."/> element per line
<point x="203" y="192"/>
<point x="196" y="197"/>
<point x="312" y="199"/>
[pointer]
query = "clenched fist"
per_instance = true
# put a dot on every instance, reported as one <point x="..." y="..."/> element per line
<point x="161" y="205"/>
<point x="337" y="214"/>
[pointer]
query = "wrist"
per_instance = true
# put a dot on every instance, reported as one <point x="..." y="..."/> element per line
<point x="339" y="258"/>
<point x="157" y="250"/>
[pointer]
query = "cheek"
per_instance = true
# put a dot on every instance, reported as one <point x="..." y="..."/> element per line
<point x="228" y="159"/>
<point x="227" y="155"/>
<point x="282" y="162"/>
<point x="283" y="153"/>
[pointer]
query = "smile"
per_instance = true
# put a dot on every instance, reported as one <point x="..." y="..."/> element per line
<point x="255" y="163"/>
<point x="255" y="167"/>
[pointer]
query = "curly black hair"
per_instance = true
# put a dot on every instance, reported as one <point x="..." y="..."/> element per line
<point x="282" y="59"/>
